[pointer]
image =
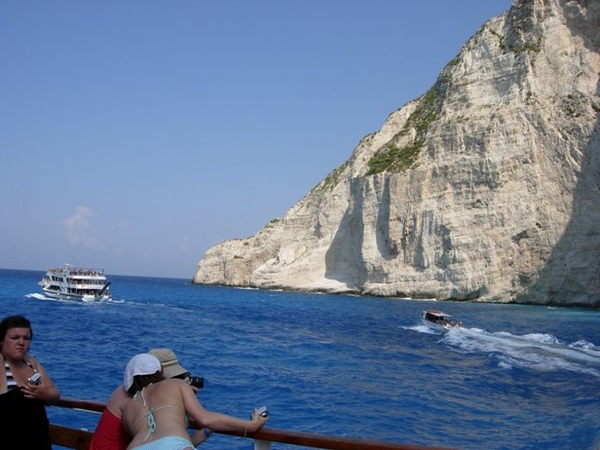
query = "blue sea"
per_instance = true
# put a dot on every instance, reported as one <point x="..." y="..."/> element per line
<point x="515" y="377"/>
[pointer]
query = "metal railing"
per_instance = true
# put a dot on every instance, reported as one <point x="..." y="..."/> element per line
<point x="80" y="439"/>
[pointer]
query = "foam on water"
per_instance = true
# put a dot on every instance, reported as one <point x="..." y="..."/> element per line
<point x="39" y="296"/>
<point x="536" y="351"/>
<point x="422" y="329"/>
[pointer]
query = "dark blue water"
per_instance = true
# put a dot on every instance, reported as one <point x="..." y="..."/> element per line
<point x="516" y="377"/>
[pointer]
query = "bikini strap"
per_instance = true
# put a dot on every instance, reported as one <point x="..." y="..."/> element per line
<point x="143" y="397"/>
<point x="30" y="365"/>
<point x="149" y="415"/>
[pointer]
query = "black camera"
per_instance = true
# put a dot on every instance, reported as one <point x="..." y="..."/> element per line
<point x="197" y="382"/>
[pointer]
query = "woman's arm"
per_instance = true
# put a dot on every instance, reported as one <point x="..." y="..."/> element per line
<point x="216" y="421"/>
<point x="45" y="390"/>
<point x="200" y="436"/>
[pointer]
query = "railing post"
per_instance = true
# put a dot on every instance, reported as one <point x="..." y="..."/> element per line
<point x="262" y="445"/>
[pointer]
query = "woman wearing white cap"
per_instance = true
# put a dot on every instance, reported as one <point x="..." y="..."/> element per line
<point x="156" y="415"/>
<point x="110" y="434"/>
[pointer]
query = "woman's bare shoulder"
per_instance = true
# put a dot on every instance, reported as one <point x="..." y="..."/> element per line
<point x="176" y="385"/>
<point x="31" y="360"/>
<point x="174" y="381"/>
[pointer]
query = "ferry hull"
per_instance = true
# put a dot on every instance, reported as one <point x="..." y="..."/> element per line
<point x="81" y="298"/>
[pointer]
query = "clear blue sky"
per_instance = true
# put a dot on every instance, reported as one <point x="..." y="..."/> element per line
<point x="135" y="135"/>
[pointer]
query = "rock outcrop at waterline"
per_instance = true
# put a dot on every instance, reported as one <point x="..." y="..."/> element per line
<point x="487" y="187"/>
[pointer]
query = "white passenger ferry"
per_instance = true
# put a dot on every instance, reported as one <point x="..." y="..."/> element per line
<point x="76" y="283"/>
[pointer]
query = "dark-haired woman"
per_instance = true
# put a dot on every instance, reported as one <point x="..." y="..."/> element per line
<point x="156" y="414"/>
<point x="25" y="388"/>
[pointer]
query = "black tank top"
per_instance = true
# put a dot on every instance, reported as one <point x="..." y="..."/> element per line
<point x="23" y="421"/>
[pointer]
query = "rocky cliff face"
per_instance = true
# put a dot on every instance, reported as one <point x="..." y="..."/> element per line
<point x="485" y="188"/>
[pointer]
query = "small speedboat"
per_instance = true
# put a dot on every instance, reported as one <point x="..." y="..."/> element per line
<point x="439" y="320"/>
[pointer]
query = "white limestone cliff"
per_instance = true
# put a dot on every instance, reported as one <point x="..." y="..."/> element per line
<point x="485" y="188"/>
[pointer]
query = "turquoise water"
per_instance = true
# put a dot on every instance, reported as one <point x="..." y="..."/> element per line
<point x="515" y="377"/>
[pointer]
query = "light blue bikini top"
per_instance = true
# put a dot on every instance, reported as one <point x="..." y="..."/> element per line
<point x="150" y="414"/>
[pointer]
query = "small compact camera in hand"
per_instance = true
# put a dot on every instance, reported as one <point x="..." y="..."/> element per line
<point x="35" y="378"/>
<point x="262" y="411"/>
<point x="197" y="382"/>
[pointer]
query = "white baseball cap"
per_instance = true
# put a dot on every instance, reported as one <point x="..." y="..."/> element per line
<point x="141" y="364"/>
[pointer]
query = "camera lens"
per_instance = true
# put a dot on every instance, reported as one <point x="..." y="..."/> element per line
<point x="197" y="382"/>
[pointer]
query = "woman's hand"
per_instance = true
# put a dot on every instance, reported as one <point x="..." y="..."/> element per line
<point x="257" y="421"/>
<point x="45" y="392"/>
<point x="32" y="391"/>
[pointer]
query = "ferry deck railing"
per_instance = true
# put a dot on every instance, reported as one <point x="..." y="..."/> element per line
<point x="79" y="439"/>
